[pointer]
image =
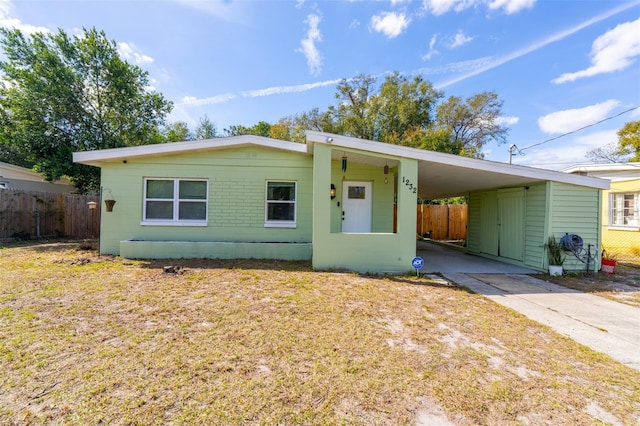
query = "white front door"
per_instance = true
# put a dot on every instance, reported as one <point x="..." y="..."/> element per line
<point x="356" y="206"/>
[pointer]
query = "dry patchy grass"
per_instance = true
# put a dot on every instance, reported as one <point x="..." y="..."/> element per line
<point x="89" y="340"/>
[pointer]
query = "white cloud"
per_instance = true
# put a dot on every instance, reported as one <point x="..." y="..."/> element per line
<point x="432" y="51"/>
<point x="496" y="62"/>
<point x="7" y="21"/>
<point x="277" y="90"/>
<point x="459" y="40"/>
<point x="269" y="91"/>
<point x="573" y="119"/>
<point x="507" y="120"/>
<point x="613" y="51"/>
<point x="440" y="7"/>
<point x="469" y="66"/>
<point x="129" y="52"/>
<point x="511" y="6"/>
<point x="354" y="24"/>
<point x="218" y="99"/>
<point x="397" y="2"/>
<point x="566" y="151"/>
<point x="308" y="45"/>
<point x="391" y="24"/>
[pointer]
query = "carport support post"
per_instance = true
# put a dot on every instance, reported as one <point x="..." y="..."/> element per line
<point x="321" y="199"/>
<point x="407" y="208"/>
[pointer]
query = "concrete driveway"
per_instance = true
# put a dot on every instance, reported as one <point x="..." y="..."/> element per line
<point x="439" y="258"/>
<point x="603" y="325"/>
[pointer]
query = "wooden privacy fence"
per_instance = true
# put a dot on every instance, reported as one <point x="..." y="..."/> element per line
<point x="31" y="214"/>
<point x="442" y="222"/>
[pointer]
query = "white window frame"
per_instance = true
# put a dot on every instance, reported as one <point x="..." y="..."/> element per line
<point x="176" y="221"/>
<point x="280" y="223"/>
<point x="617" y="215"/>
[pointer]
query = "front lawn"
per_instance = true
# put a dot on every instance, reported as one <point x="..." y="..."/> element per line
<point x="88" y="340"/>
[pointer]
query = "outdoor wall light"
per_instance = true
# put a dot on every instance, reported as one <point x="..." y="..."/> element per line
<point x="92" y="205"/>
<point x="332" y="191"/>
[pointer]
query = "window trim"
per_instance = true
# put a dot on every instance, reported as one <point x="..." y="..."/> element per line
<point x="612" y="212"/>
<point x="280" y="223"/>
<point x="176" y="204"/>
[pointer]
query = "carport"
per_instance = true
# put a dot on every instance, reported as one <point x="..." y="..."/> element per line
<point x="447" y="259"/>
<point x="512" y="209"/>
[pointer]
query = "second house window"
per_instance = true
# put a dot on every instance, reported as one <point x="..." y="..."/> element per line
<point x="280" y="205"/>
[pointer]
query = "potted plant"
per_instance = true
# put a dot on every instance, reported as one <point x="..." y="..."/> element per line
<point x="609" y="261"/>
<point x="554" y="251"/>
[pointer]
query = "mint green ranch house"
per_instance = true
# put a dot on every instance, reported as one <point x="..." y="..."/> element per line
<point x="341" y="202"/>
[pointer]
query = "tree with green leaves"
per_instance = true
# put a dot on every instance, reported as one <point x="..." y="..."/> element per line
<point x="626" y="148"/>
<point x="262" y="128"/>
<point x="471" y="123"/>
<point x="399" y="107"/>
<point x="60" y="94"/>
<point x="407" y="111"/>
<point x="206" y="129"/>
<point x="177" y="131"/>
<point x="629" y="139"/>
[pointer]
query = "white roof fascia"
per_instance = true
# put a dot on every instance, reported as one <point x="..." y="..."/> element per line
<point x="95" y="158"/>
<point x="603" y="167"/>
<point x="455" y="160"/>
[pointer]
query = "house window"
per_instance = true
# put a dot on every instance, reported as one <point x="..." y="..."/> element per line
<point x="623" y="210"/>
<point x="280" y="205"/>
<point x="175" y="202"/>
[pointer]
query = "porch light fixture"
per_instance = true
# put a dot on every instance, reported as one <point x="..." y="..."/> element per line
<point x="332" y="191"/>
<point x="386" y="168"/>
<point x="92" y="205"/>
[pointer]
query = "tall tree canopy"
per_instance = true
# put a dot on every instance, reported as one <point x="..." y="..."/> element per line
<point x="408" y="111"/>
<point x="626" y="148"/>
<point x="60" y="94"/>
<point x="206" y="129"/>
<point x="629" y="139"/>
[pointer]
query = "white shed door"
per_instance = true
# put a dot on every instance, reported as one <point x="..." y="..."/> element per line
<point x="356" y="207"/>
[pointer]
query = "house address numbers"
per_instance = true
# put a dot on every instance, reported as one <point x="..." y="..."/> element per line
<point x="413" y="188"/>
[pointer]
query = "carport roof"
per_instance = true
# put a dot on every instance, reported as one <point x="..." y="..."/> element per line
<point x="446" y="175"/>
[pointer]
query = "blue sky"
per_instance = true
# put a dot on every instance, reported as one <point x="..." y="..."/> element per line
<point x="558" y="65"/>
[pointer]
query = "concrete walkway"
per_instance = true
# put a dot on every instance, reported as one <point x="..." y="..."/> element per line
<point x="603" y="325"/>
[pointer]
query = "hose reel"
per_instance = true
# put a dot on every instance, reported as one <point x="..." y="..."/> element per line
<point x="574" y="244"/>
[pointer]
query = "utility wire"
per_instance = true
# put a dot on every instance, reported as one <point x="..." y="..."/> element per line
<point x="513" y="147"/>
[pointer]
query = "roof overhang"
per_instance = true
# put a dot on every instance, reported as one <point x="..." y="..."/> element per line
<point x="97" y="158"/>
<point x="445" y="175"/>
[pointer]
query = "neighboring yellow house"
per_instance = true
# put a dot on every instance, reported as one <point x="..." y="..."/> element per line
<point x="620" y="205"/>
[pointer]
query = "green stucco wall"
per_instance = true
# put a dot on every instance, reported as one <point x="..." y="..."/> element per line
<point x="381" y="251"/>
<point x="236" y="205"/>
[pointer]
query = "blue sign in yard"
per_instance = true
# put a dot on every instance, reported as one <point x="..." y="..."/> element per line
<point x="417" y="262"/>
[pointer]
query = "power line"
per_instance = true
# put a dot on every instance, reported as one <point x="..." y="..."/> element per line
<point x="513" y="147"/>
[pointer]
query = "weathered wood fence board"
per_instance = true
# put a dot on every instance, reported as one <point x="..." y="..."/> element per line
<point x="31" y="214"/>
<point x="442" y="222"/>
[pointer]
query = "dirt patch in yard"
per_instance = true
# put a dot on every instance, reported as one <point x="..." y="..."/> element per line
<point x="622" y="286"/>
<point x="87" y="340"/>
